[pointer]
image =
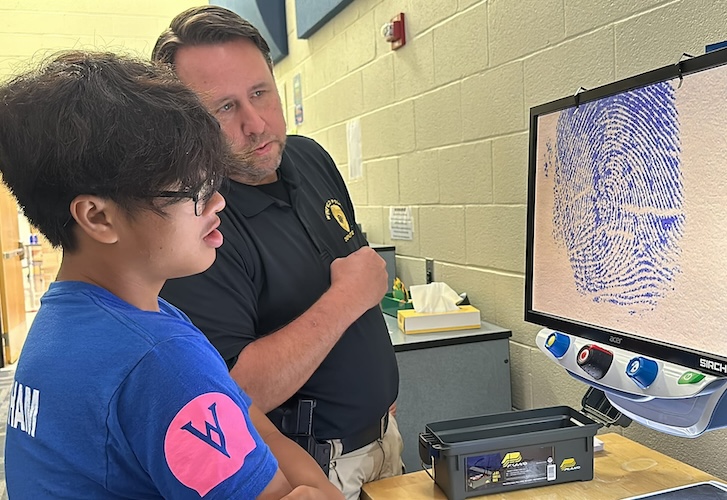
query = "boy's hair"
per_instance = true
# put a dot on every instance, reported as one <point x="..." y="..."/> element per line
<point x="206" y="25"/>
<point x="107" y="125"/>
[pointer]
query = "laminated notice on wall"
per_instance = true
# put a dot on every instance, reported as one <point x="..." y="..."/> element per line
<point x="298" y="99"/>
<point x="400" y="224"/>
<point x="355" y="160"/>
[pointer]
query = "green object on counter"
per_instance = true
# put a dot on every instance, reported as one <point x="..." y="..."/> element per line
<point x="391" y="304"/>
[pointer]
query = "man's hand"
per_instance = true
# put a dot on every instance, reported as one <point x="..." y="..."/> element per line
<point x="272" y="368"/>
<point x="361" y="276"/>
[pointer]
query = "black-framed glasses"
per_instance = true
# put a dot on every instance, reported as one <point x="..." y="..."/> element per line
<point x="199" y="197"/>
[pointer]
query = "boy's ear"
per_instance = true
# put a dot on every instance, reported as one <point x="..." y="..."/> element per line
<point x="96" y="217"/>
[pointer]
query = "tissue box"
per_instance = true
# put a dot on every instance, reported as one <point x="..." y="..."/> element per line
<point x="465" y="318"/>
<point x="390" y="305"/>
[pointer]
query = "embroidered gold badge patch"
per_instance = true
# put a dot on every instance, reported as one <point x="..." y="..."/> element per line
<point x="335" y="211"/>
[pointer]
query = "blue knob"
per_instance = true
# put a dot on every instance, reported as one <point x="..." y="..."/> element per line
<point x="557" y="344"/>
<point x="642" y="371"/>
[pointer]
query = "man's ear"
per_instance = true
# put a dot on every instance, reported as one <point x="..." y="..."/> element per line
<point x="96" y="217"/>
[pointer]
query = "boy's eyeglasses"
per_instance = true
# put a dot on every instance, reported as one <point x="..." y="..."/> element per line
<point x="199" y="197"/>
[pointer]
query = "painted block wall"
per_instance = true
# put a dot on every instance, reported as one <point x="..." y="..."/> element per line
<point x="444" y="131"/>
<point x="32" y="29"/>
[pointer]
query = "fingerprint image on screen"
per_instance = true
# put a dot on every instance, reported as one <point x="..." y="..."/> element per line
<point x="618" y="195"/>
<point x="627" y="213"/>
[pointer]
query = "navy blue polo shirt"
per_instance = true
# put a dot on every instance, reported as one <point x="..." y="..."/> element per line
<point x="274" y="264"/>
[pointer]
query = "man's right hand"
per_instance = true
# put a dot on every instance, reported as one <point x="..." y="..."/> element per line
<point x="272" y="368"/>
<point x="361" y="276"/>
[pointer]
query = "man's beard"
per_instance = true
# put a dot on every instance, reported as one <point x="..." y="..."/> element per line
<point x="250" y="169"/>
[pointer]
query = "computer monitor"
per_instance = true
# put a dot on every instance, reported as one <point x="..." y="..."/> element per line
<point x="627" y="214"/>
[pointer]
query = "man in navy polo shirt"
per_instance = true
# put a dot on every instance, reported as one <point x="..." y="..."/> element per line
<point x="292" y="300"/>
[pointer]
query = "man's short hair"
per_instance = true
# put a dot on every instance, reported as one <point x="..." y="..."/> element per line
<point x="107" y="125"/>
<point x="206" y="25"/>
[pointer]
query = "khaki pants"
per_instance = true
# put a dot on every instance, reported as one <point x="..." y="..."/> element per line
<point x="378" y="460"/>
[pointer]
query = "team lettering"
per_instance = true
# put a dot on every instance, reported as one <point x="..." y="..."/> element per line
<point x="23" y="412"/>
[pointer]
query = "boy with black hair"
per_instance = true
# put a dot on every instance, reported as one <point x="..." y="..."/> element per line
<point x="116" y="394"/>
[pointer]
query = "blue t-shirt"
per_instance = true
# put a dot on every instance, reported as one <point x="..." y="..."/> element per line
<point x="110" y="401"/>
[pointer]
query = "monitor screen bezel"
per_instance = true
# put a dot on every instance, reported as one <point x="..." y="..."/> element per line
<point x="681" y="355"/>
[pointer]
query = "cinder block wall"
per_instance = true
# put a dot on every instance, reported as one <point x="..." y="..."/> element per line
<point x="444" y="131"/>
<point x="31" y="29"/>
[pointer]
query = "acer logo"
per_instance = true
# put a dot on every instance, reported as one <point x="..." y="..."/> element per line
<point x="615" y="340"/>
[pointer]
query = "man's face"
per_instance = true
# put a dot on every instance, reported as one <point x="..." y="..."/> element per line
<point x="237" y="86"/>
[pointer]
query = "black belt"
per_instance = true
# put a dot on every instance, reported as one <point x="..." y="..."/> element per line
<point x="366" y="436"/>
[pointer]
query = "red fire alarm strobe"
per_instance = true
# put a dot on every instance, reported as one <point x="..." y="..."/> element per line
<point x="394" y="31"/>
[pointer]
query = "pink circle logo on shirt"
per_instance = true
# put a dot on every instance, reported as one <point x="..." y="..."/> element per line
<point x="207" y="442"/>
